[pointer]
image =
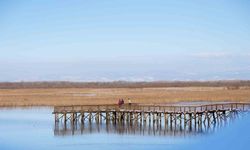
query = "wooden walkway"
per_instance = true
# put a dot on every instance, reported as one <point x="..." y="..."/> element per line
<point x="153" y="108"/>
<point x="194" y="118"/>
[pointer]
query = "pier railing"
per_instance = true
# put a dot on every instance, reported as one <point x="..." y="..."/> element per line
<point x="154" y="108"/>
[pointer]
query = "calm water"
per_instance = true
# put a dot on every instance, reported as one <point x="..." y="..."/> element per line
<point x="34" y="128"/>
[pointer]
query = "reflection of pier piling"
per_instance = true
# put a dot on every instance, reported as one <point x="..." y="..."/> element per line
<point x="136" y="118"/>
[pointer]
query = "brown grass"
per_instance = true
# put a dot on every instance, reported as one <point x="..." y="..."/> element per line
<point x="82" y="96"/>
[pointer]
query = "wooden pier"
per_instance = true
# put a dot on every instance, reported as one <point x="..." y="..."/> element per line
<point x="166" y="119"/>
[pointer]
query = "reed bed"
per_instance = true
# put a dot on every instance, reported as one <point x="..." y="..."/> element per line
<point x="86" y="96"/>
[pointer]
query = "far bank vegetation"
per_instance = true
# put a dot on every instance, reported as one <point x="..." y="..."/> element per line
<point x="228" y="84"/>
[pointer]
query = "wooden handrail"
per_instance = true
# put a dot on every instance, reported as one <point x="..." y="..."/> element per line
<point x="150" y="107"/>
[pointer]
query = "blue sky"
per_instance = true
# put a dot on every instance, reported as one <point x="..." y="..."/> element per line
<point x="135" y="40"/>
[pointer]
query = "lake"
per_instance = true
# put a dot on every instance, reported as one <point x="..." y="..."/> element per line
<point x="35" y="128"/>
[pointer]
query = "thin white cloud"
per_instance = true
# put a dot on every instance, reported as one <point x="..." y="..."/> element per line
<point x="219" y="54"/>
<point x="212" y="54"/>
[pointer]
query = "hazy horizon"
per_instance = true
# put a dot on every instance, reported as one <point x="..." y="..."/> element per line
<point x="131" y="40"/>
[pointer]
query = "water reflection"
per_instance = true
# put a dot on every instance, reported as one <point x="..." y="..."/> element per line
<point x="178" y="127"/>
<point x="24" y="129"/>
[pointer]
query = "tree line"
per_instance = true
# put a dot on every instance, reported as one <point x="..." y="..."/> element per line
<point x="230" y="84"/>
